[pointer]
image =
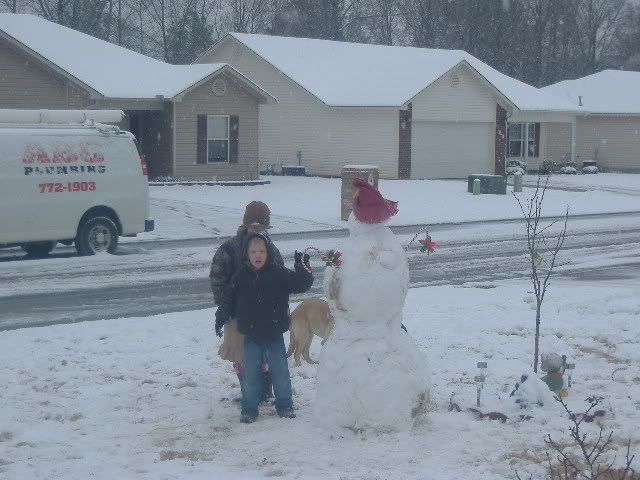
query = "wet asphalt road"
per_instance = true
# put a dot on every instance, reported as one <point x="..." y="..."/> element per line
<point x="480" y="262"/>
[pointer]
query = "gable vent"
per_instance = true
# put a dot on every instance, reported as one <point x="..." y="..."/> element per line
<point x="237" y="51"/>
<point x="219" y="87"/>
<point x="454" y="80"/>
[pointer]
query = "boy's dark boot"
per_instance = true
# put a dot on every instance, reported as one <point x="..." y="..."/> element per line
<point x="267" y="387"/>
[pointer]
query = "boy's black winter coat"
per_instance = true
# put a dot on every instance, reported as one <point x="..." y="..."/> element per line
<point x="262" y="298"/>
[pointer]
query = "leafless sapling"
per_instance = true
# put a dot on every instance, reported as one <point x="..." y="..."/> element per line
<point x="539" y="242"/>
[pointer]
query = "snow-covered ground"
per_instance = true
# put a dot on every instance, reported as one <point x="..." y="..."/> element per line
<point x="149" y="398"/>
<point x="310" y="203"/>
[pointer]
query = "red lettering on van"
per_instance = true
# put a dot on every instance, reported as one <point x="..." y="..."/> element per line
<point x="33" y="154"/>
<point x="64" y="155"/>
<point x="89" y="156"/>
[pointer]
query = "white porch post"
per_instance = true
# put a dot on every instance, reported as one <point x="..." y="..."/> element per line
<point x="525" y="126"/>
<point x="573" y="141"/>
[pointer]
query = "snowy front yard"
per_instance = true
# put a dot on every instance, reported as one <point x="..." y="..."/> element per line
<point x="305" y="204"/>
<point x="149" y="398"/>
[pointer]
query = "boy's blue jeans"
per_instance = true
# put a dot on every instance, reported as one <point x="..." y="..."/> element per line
<point x="251" y="386"/>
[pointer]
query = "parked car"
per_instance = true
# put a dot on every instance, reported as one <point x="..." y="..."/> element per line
<point x="82" y="183"/>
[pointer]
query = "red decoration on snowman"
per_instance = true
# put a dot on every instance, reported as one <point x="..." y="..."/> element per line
<point x="428" y="245"/>
<point x="368" y="205"/>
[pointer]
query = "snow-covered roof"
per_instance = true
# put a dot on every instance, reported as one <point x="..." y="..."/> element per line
<point x="608" y="91"/>
<point x="108" y="69"/>
<point x="357" y="74"/>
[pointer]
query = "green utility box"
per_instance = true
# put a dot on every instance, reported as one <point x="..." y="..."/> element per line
<point x="496" y="184"/>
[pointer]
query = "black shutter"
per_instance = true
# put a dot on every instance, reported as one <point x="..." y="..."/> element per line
<point x="536" y="140"/>
<point x="201" y="140"/>
<point x="233" y="138"/>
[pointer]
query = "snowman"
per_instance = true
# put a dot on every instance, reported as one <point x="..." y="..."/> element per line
<point x="371" y="376"/>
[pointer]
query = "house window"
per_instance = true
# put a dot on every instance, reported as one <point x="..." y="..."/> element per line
<point x="515" y="139"/>
<point x="524" y="138"/>
<point x="217" y="138"/>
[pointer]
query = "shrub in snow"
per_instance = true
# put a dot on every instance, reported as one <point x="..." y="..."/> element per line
<point x="590" y="169"/>
<point x="568" y="170"/>
<point x="514" y="166"/>
<point x="548" y="167"/>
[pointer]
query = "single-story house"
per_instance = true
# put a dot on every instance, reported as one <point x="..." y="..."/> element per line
<point x="190" y="121"/>
<point x="413" y="112"/>
<point x="608" y="120"/>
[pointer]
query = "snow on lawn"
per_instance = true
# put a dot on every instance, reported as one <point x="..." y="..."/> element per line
<point x="149" y="398"/>
<point x="312" y="203"/>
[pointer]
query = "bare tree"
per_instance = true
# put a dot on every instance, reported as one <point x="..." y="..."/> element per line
<point x="12" y="5"/>
<point x="83" y="15"/>
<point x="597" y="22"/>
<point x="247" y="16"/>
<point x="381" y="20"/>
<point x="538" y="242"/>
<point x="627" y="38"/>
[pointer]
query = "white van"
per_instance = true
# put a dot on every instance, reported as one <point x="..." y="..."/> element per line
<point x="66" y="178"/>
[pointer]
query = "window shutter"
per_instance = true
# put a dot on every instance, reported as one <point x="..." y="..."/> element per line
<point x="201" y="140"/>
<point x="536" y="140"/>
<point x="233" y="138"/>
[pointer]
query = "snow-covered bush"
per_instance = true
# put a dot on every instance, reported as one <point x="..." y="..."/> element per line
<point x="514" y="166"/>
<point x="568" y="170"/>
<point x="590" y="169"/>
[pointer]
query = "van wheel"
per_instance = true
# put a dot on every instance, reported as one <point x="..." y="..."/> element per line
<point x="98" y="234"/>
<point x="38" y="249"/>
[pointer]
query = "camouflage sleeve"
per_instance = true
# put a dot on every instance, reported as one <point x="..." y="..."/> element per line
<point x="277" y="257"/>
<point x="220" y="276"/>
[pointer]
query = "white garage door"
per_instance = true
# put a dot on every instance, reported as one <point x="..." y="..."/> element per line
<point x="451" y="149"/>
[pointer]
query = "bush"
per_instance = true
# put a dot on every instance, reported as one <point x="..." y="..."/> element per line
<point x="514" y="166"/>
<point x="548" y="167"/>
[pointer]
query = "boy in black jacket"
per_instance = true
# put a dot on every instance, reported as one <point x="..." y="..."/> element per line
<point x="260" y="301"/>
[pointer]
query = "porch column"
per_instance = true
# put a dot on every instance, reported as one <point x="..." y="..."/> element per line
<point x="573" y="141"/>
<point x="500" y="141"/>
<point x="404" y="142"/>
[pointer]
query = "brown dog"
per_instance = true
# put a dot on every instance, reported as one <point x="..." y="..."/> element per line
<point x="311" y="317"/>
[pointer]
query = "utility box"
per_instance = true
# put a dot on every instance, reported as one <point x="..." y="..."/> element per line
<point x="369" y="173"/>
<point x="294" y="170"/>
<point x="496" y="184"/>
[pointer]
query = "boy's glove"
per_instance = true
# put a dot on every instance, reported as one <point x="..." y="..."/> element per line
<point x="222" y="317"/>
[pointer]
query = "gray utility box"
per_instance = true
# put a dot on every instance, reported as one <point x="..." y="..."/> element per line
<point x="369" y="173"/>
<point x="496" y="184"/>
<point x="294" y="170"/>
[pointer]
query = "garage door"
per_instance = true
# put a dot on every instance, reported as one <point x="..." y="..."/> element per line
<point x="451" y="149"/>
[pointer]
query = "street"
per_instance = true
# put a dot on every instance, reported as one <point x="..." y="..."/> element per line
<point x="148" y="278"/>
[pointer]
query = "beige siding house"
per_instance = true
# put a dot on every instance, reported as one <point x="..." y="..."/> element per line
<point x="607" y="127"/>
<point x="413" y="112"/>
<point x="190" y="121"/>
<point x="28" y="82"/>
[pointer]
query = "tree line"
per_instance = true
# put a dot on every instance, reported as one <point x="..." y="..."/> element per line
<point x="537" y="41"/>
